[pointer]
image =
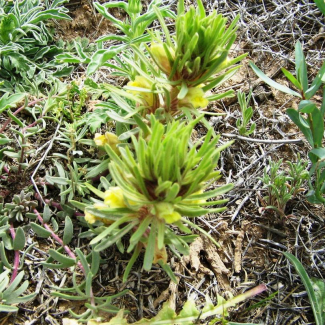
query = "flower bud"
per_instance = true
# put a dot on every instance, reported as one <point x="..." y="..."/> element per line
<point x="166" y="212"/>
<point x="194" y="98"/>
<point x="114" y="198"/>
<point x="108" y="138"/>
<point x="135" y="6"/>
<point x="142" y="82"/>
<point x="90" y="218"/>
<point x="159" y="55"/>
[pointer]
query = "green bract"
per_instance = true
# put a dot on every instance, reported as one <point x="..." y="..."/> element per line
<point x="202" y="45"/>
<point x="199" y="50"/>
<point x="162" y="181"/>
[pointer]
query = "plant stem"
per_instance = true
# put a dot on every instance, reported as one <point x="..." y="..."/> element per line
<point x="56" y="205"/>
<point x="66" y="248"/>
<point x="58" y="239"/>
<point x="21" y="158"/>
<point x="19" y="110"/>
<point x="16" y="258"/>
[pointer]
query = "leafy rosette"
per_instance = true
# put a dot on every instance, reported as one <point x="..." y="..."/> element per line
<point x="160" y="181"/>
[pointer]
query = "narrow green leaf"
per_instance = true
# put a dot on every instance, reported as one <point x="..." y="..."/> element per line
<point x="168" y="270"/>
<point x="319" y="79"/>
<point x="140" y="231"/>
<point x="40" y="231"/>
<point x="114" y="238"/>
<point x="296" y="118"/>
<point x="183" y="92"/>
<point x="100" y="57"/>
<point x="95" y="262"/>
<point x="79" y="205"/>
<point x="131" y="262"/>
<point x="15" y="119"/>
<point x="83" y="261"/>
<point x="301" y="67"/>
<point x="321" y="5"/>
<point x="291" y="78"/>
<point x="8" y="309"/>
<point x="318" y="313"/>
<point x="68" y="261"/>
<point x="150" y="249"/>
<point x="271" y="82"/>
<point x="318" y="127"/>
<point x="3" y="256"/>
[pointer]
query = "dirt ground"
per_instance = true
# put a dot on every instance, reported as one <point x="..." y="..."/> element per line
<point x="251" y="238"/>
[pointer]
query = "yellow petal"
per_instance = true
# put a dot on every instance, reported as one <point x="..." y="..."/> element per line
<point x="99" y="139"/>
<point x="166" y="212"/>
<point x="90" y="218"/>
<point x="194" y="98"/>
<point x="114" y="198"/>
<point x="142" y="82"/>
<point x="159" y="54"/>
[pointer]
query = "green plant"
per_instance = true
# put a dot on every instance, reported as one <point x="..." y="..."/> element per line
<point x="247" y="113"/>
<point x="20" y="205"/>
<point x="133" y="29"/>
<point x="77" y="51"/>
<point x="71" y="183"/>
<point x="173" y="77"/>
<point x="314" y="287"/>
<point x="163" y="180"/>
<point x="321" y="6"/>
<point x="283" y="186"/>
<point x="25" y="45"/>
<point x="189" y="315"/>
<point x="309" y="118"/>
<point x="64" y="258"/>
<point x="10" y="294"/>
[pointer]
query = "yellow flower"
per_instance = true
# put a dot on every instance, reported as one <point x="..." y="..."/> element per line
<point x="166" y="212"/>
<point x="194" y="98"/>
<point x="197" y="201"/>
<point x="90" y="218"/>
<point x="114" y="198"/>
<point x="142" y="82"/>
<point x="160" y="56"/>
<point x="108" y="138"/>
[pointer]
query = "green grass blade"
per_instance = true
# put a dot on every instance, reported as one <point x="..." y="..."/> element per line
<point x="271" y="82"/>
<point x="318" y="313"/>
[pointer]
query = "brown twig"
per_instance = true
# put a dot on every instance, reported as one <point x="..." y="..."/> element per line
<point x="19" y="110"/>
<point x="239" y="137"/>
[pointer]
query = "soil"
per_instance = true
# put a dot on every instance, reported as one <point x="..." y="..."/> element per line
<point x="86" y="22"/>
<point x="252" y="238"/>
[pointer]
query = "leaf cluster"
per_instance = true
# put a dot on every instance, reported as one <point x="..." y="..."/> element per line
<point x="11" y="293"/>
<point x="309" y="118"/>
<point x="282" y="186"/>
<point x="26" y="52"/>
<point x="189" y="314"/>
<point x="247" y="113"/>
